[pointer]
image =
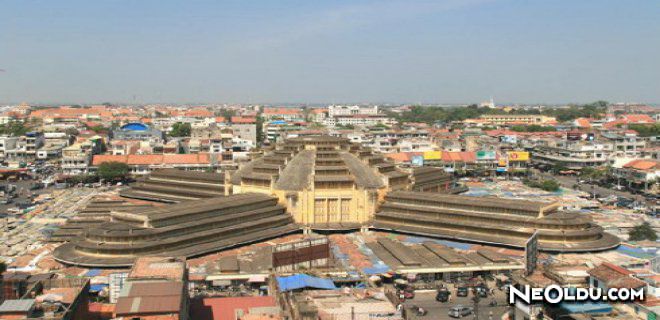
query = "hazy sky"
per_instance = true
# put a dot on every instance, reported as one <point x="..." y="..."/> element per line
<point x="251" y="51"/>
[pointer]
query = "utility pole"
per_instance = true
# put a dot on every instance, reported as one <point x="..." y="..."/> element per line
<point x="476" y="305"/>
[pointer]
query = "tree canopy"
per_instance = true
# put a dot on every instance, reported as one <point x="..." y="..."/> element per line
<point x="113" y="171"/>
<point x="180" y="129"/>
<point x="14" y="128"/>
<point x="433" y="114"/>
<point x="533" y="128"/>
<point x="646" y="130"/>
<point x="547" y="185"/>
<point x="641" y="232"/>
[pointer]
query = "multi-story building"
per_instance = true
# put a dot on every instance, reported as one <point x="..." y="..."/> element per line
<point x="626" y="144"/>
<point x="212" y="131"/>
<point x="287" y="114"/>
<point x="573" y="155"/>
<point x="26" y="147"/>
<point x="360" y="120"/>
<point x="245" y="128"/>
<point x="7" y="143"/>
<point x="77" y="158"/>
<point x="334" y="111"/>
<point x="507" y="119"/>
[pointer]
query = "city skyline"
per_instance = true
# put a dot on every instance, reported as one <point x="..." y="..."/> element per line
<point x="446" y="52"/>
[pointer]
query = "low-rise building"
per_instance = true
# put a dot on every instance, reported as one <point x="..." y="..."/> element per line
<point x="140" y="164"/>
<point x="156" y="288"/>
<point x="50" y="299"/>
<point x="641" y="174"/>
<point x="344" y="304"/>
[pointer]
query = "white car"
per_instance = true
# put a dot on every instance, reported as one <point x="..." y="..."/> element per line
<point x="460" y="311"/>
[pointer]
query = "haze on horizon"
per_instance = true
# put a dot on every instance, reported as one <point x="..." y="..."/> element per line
<point x="402" y="51"/>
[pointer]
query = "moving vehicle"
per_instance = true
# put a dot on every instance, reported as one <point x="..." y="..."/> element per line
<point x="460" y="311"/>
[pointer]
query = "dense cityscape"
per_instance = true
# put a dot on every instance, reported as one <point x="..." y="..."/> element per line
<point x="246" y="211"/>
<point x="329" y="160"/>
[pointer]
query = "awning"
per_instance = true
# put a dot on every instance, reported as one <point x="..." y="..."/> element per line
<point x="257" y="278"/>
<point x="300" y="281"/>
<point x="233" y="276"/>
<point x="221" y="283"/>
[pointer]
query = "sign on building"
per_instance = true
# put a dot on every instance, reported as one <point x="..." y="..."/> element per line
<point x="531" y="253"/>
<point x="417" y="161"/>
<point x="486" y="155"/>
<point x="518" y="156"/>
<point x="307" y="254"/>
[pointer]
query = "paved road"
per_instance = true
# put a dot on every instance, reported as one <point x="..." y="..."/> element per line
<point x="440" y="310"/>
<point x="570" y="181"/>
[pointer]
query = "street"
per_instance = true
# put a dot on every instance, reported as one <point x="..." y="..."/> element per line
<point x="570" y="181"/>
<point x="440" y="310"/>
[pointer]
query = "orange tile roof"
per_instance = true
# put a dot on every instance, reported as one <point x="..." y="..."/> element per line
<point x="583" y="122"/>
<point x="642" y="164"/>
<point x="400" y="156"/>
<point x="243" y="120"/>
<point x="154" y="159"/>
<point x="282" y="111"/>
<point x="462" y="156"/>
<point x="637" y="118"/>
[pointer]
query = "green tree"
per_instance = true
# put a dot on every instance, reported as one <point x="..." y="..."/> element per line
<point x="646" y="130"/>
<point x="98" y="129"/>
<point x="113" y="171"/>
<point x="180" y="129"/>
<point x="533" y="128"/>
<point x="550" y="185"/>
<point x="557" y="168"/>
<point x="14" y="128"/>
<point x="641" y="232"/>
<point x="260" y="129"/>
<point x="227" y="114"/>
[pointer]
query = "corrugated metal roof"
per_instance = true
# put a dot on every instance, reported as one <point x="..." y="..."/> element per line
<point x="147" y="289"/>
<point x="22" y="305"/>
<point x="144" y="305"/>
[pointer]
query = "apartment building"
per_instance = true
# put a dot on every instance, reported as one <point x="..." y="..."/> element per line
<point x="573" y="155"/>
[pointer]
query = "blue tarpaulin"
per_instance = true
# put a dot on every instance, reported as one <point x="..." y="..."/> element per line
<point x="376" y="269"/>
<point x="300" y="281"/>
<point x="97" y="287"/>
<point x="93" y="273"/>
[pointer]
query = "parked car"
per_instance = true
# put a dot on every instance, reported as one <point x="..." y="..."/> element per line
<point x="462" y="291"/>
<point x="442" y="295"/>
<point x="481" y="291"/>
<point x="460" y="311"/>
<point x="408" y="293"/>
